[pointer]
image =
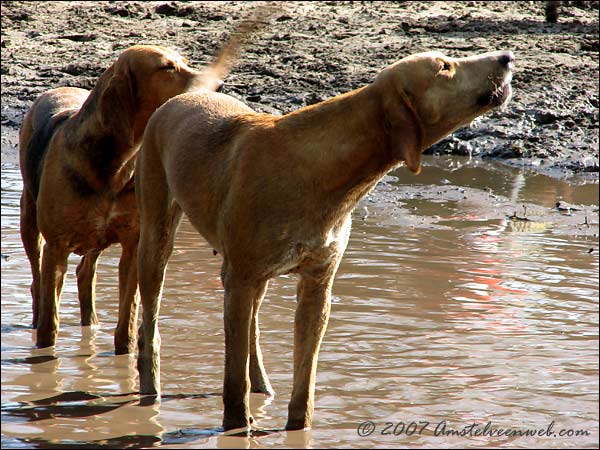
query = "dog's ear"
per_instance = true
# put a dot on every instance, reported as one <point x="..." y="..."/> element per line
<point x="405" y="133"/>
<point x="117" y="105"/>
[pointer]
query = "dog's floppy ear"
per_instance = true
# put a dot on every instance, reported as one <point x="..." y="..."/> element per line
<point x="117" y="105"/>
<point x="404" y="130"/>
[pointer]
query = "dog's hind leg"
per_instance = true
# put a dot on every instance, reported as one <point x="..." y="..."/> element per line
<point x="159" y="219"/>
<point x="156" y="245"/>
<point x="259" y="381"/>
<point x="86" y="287"/>
<point x="128" y="304"/>
<point x="32" y="242"/>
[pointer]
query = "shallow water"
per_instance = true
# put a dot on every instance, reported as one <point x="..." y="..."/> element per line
<point x="446" y="313"/>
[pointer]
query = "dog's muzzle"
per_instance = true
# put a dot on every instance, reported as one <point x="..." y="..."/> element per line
<point x="501" y="91"/>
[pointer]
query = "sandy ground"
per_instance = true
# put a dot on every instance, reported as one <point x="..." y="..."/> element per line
<point x="311" y="51"/>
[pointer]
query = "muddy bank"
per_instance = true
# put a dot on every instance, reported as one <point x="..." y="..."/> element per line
<point x="314" y="50"/>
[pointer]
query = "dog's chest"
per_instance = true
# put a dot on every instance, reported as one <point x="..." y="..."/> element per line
<point x="316" y="249"/>
<point x="105" y="223"/>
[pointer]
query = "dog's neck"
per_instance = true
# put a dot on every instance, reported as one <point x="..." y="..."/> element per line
<point x="343" y="141"/>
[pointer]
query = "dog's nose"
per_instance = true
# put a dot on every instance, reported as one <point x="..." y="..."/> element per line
<point x="506" y="59"/>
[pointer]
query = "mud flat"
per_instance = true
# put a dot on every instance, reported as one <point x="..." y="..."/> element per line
<point x="314" y="50"/>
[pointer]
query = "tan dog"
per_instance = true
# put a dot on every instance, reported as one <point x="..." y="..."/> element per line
<point x="274" y="195"/>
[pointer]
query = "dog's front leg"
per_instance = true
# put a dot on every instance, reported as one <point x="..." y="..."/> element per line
<point x="259" y="381"/>
<point x="152" y="263"/>
<point x="128" y="301"/>
<point x="312" y="315"/>
<point x="240" y="296"/>
<point x="54" y="267"/>
<point x="86" y="287"/>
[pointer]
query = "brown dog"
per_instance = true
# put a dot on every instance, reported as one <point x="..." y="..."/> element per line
<point x="274" y="195"/>
<point x="77" y="155"/>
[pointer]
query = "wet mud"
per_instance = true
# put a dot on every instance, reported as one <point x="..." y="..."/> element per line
<point x="311" y="51"/>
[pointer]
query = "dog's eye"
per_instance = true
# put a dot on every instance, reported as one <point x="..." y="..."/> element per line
<point x="170" y="67"/>
<point x="446" y="66"/>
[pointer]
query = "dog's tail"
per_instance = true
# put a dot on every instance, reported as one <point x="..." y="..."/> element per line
<point x="255" y="21"/>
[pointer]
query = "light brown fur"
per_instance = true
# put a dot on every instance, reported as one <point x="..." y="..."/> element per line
<point x="274" y="195"/>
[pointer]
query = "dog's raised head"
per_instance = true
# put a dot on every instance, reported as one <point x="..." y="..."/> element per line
<point x="433" y="95"/>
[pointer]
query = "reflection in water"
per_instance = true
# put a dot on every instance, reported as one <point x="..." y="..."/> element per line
<point x="444" y="309"/>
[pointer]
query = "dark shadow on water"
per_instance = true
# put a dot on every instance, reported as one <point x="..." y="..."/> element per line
<point x="29" y="360"/>
<point x="76" y="396"/>
<point x="35" y="413"/>
<point x="148" y="400"/>
<point x="120" y="442"/>
<point x="182" y="436"/>
<point x="17" y="327"/>
<point x="54" y="406"/>
<point x="74" y="405"/>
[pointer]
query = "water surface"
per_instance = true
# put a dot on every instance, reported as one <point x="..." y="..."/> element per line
<point x="446" y="313"/>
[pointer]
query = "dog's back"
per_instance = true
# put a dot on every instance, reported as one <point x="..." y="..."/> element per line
<point x="201" y="123"/>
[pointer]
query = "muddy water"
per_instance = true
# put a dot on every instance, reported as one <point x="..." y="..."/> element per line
<point x="448" y="316"/>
